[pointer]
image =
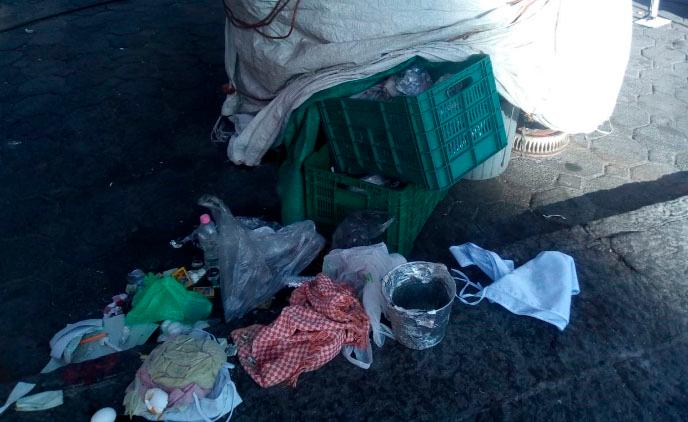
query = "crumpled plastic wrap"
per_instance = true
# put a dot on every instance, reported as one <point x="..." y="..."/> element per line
<point x="418" y="299"/>
<point x="255" y="264"/>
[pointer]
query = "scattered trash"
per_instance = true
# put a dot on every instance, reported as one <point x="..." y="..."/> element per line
<point x="206" y="236"/>
<point x="222" y="130"/>
<point x="115" y="307"/>
<point x="240" y="122"/>
<point x="540" y="288"/>
<point x="196" y="275"/>
<point x="418" y="300"/>
<point x="156" y="401"/>
<point x="360" y="265"/>
<point x="93" y="338"/>
<point x="548" y="216"/>
<point x="322" y="317"/>
<point x="135" y="280"/>
<point x="213" y="275"/>
<point x="363" y="268"/>
<point x="29" y="31"/>
<point x="361" y="228"/>
<point x="184" y="379"/>
<point x="296" y="280"/>
<point x="380" y="180"/>
<point x="106" y="414"/>
<point x="19" y="391"/>
<point x="256" y="262"/>
<point x="41" y="401"/>
<point x="207" y="291"/>
<point x="254" y="223"/>
<point x="164" y="298"/>
<point x="410" y="82"/>
<point x="14" y="143"/>
<point x="172" y="329"/>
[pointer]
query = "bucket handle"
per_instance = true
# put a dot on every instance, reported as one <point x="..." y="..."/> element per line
<point x="462" y="295"/>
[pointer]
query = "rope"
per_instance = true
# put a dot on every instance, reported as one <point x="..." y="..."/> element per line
<point x="266" y="21"/>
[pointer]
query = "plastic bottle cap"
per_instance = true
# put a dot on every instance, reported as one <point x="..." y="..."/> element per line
<point x="205" y="219"/>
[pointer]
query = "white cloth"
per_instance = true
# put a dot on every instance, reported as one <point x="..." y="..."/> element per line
<point x="540" y="288"/>
<point x="41" y="401"/>
<point x="19" y="391"/>
<point x="560" y="61"/>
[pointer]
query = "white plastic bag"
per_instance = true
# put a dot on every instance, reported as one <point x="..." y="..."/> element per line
<point x="360" y="265"/>
<point x="364" y="267"/>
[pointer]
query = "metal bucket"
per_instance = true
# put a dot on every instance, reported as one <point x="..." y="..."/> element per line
<point x="418" y="299"/>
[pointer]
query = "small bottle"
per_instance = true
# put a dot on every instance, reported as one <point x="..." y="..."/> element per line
<point x="135" y="281"/>
<point x="206" y="236"/>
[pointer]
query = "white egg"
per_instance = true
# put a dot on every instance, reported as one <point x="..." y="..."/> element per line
<point x="106" y="414"/>
<point x="156" y="400"/>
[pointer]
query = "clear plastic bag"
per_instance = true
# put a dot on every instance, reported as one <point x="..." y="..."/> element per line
<point x="413" y="81"/>
<point x="255" y="264"/>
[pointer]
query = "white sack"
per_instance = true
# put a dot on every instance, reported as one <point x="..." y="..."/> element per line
<point x="561" y="61"/>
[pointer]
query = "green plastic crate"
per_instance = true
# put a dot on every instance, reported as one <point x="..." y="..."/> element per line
<point x="330" y="197"/>
<point x="432" y="139"/>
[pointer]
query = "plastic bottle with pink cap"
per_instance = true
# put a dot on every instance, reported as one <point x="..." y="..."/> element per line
<point x="206" y="237"/>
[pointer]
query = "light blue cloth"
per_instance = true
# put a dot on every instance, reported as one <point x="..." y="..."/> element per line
<point x="540" y="288"/>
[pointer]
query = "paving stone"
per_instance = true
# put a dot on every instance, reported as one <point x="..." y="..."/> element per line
<point x="665" y="35"/>
<point x="127" y="27"/>
<point x="569" y="181"/>
<point x="681" y="68"/>
<point x="46" y="38"/>
<point x="580" y="162"/>
<point x="551" y="196"/>
<point x="660" y="370"/>
<point x="537" y="175"/>
<point x="28" y="106"/>
<point x="619" y="150"/>
<point x="665" y="81"/>
<point x="651" y="171"/>
<point x="617" y="170"/>
<point x="662" y="55"/>
<point x="639" y="63"/>
<point x="634" y="87"/>
<point x="662" y="120"/>
<point x="640" y="40"/>
<point x="12" y="40"/>
<point x="663" y="137"/>
<point x="604" y="182"/>
<point x="42" y="85"/>
<point x="630" y="116"/>
<point x="580" y="139"/>
<point x="682" y="161"/>
<point x="682" y="125"/>
<point x="661" y="103"/>
<point x="569" y="401"/>
<point x="482" y="191"/>
<point x="682" y="94"/>
<point x="662" y="156"/>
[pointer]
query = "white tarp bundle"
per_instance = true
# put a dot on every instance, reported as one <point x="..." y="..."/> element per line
<point x="562" y="61"/>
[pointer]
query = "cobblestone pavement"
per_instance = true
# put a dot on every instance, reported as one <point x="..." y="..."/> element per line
<point x="104" y="121"/>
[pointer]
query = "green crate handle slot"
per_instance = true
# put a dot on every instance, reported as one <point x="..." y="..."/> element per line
<point x="460" y="86"/>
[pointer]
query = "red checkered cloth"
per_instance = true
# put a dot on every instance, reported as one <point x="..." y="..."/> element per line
<point x="322" y="317"/>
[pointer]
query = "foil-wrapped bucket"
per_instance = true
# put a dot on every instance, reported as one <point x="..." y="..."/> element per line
<point x="418" y="298"/>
